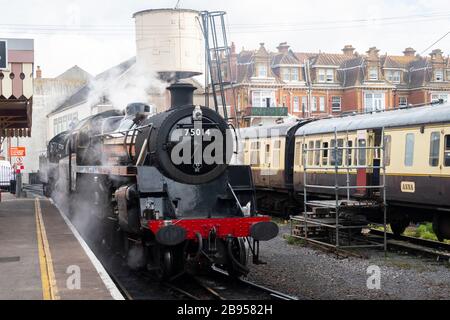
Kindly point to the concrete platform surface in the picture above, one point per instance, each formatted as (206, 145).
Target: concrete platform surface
(43, 257)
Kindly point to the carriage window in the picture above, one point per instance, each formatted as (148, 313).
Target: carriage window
(267, 154)
(298, 153)
(435, 140)
(409, 149)
(340, 152)
(387, 150)
(254, 153)
(325, 153)
(362, 152)
(310, 153)
(332, 152)
(317, 153)
(447, 151)
(349, 152)
(304, 154)
(276, 154)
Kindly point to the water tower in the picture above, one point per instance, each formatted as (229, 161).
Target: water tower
(170, 42)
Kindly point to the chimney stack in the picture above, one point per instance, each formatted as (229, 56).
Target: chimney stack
(38, 72)
(348, 50)
(409, 52)
(283, 47)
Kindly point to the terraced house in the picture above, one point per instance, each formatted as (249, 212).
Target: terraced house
(273, 85)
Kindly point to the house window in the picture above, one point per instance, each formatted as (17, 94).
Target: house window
(314, 104)
(304, 103)
(373, 73)
(286, 75)
(402, 101)
(322, 104)
(438, 96)
(330, 75)
(439, 75)
(296, 104)
(374, 101)
(336, 104)
(321, 75)
(448, 75)
(435, 140)
(263, 99)
(409, 149)
(294, 74)
(262, 70)
(394, 76)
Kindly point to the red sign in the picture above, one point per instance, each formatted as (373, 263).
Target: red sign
(17, 151)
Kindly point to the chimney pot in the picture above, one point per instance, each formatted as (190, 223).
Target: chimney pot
(348, 50)
(283, 47)
(409, 52)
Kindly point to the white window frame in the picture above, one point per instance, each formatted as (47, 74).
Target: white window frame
(330, 75)
(334, 100)
(377, 101)
(394, 76)
(294, 74)
(296, 104)
(286, 74)
(259, 98)
(322, 104)
(304, 103)
(322, 76)
(261, 70)
(439, 75)
(314, 104)
(373, 75)
(440, 95)
(400, 104)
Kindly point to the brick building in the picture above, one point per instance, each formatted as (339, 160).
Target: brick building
(272, 85)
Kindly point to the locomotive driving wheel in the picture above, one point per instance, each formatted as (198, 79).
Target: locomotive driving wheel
(398, 227)
(237, 257)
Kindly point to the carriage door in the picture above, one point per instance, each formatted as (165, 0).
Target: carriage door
(375, 140)
(361, 162)
(266, 162)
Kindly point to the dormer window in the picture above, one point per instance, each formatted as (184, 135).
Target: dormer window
(439, 75)
(294, 74)
(373, 73)
(289, 74)
(326, 75)
(393, 76)
(261, 70)
(286, 74)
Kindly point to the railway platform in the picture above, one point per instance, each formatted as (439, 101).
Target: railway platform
(42, 256)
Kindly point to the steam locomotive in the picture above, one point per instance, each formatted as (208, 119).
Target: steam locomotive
(159, 188)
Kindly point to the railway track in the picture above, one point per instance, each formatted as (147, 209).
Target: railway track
(436, 249)
(220, 286)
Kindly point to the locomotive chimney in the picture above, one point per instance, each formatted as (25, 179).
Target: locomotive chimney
(181, 94)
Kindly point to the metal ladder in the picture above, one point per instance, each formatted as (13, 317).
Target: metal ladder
(217, 60)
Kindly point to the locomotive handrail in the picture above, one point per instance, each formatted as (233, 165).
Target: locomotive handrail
(123, 132)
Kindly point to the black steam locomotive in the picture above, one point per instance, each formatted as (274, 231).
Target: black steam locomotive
(160, 186)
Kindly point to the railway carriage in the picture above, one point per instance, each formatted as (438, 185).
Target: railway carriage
(413, 144)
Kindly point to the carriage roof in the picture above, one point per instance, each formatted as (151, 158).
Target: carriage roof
(383, 119)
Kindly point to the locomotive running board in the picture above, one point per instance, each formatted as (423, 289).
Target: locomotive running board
(113, 170)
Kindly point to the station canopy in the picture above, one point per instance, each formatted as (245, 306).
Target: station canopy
(16, 87)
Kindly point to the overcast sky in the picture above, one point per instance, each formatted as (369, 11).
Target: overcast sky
(97, 34)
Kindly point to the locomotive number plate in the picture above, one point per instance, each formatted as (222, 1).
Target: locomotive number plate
(408, 186)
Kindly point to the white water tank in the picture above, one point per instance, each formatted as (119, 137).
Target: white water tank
(170, 42)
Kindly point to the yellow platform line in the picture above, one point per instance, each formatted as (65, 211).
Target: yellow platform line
(49, 288)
